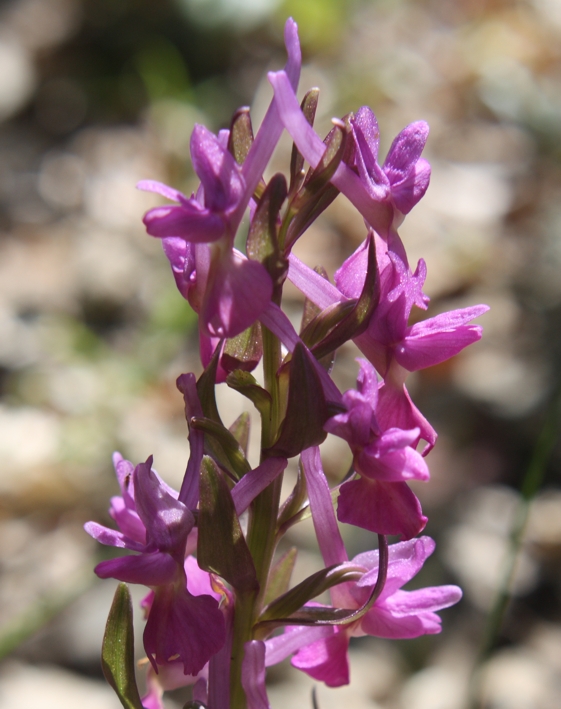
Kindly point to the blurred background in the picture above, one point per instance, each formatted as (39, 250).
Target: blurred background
(98, 94)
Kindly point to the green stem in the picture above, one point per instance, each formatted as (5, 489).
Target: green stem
(243, 622)
(261, 536)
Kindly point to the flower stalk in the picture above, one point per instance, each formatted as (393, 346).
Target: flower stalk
(220, 607)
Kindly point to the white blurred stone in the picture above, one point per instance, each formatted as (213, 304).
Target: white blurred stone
(478, 548)
(61, 180)
(544, 523)
(498, 378)
(518, 679)
(17, 75)
(433, 688)
(25, 687)
(43, 23)
(29, 439)
(296, 693)
(468, 192)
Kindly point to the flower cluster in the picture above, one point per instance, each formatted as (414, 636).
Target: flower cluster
(218, 619)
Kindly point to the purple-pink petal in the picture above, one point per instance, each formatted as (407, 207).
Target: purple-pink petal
(326, 660)
(217, 169)
(148, 569)
(159, 188)
(381, 507)
(185, 625)
(254, 482)
(253, 675)
(238, 291)
(111, 537)
(167, 520)
(191, 221)
(328, 535)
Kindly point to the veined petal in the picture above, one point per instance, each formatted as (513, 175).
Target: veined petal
(282, 646)
(328, 535)
(111, 537)
(148, 569)
(393, 464)
(412, 188)
(381, 507)
(326, 660)
(409, 179)
(437, 339)
(381, 623)
(433, 598)
(181, 256)
(160, 188)
(253, 675)
(379, 215)
(191, 221)
(405, 561)
(254, 482)
(167, 520)
(395, 409)
(238, 291)
(128, 521)
(217, 169)
(179, 624)
(316, 288)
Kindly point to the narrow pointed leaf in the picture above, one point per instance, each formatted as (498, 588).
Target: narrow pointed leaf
(262, 240)
(206, 384)
(280, 575)
(240, 430)
(243, 351)
(221, 545)
(247, 385)
(317, 583)
(296, 501)
(227, 441)
(309, 106)
(306, 410)
(117, 654)
(356, 321)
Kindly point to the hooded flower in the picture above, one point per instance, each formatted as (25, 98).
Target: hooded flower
(385, 458)
(404, 176)
(225, 288)
(181, 626)
(396, 614)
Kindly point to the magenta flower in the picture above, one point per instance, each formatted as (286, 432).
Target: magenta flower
(394, 347)
(405, 176)
(226, 289)
(396, 614)
(385, 459)
(180, 625)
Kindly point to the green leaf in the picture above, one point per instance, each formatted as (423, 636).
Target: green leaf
(306, 409)
(262, 240)
(356, 321)
(279, 576)
(243, 351)
(206, 385)
(117, 653)
(311, 587)
(221, 545)
(236, 460)
(240, 138)
(246, 384)
(296, 501)
(309, 106)
(240, 430)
